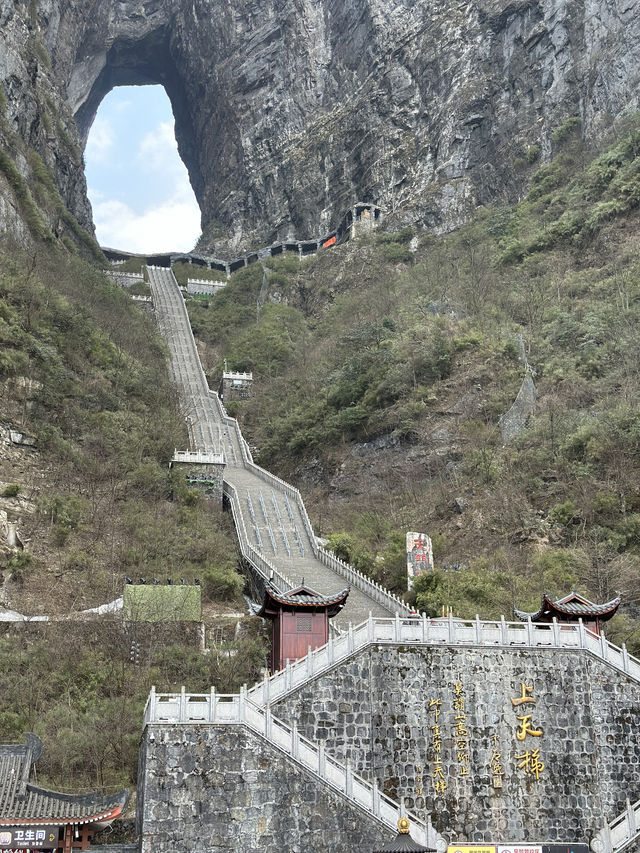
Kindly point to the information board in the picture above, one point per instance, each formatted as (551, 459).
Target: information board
(28, 837)
(471, 848)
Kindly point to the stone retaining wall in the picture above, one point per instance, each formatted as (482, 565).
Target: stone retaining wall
(378, 709)
(206, 789)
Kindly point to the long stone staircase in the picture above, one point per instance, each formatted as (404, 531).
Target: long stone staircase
(273, 527)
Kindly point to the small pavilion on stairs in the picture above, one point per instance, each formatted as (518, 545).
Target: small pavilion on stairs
(300, 620)
(571, 609)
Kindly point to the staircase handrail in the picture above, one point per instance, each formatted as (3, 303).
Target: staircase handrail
(355, 578)
(425, 631)
(207, 708)
(263, 566)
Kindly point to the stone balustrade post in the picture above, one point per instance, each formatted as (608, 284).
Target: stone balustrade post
(425, 627)
(603, 646)
(348, 779)
(371, 628)
(267, 722)
(451, 628)
(375, 799)
(625, 658)
(310, 662)
(295, 741)
(555, 630)
(182, 706)
(503, 631)
(396, 628)
(151, 706)
(581, 634)
(212, 705)
(478, 630)
(631, 819)
(350, 640)
(322, 760)
(529, 631)
(266, 686)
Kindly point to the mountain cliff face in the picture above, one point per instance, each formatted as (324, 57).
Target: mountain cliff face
(287, 111)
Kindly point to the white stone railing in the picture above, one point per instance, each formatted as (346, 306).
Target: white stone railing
(260, 563)
(208, 281)
(362, 582)
(229, 374)
(210, 708)
(621, 833)
(450, 631)
(198, 457)
(355, 578)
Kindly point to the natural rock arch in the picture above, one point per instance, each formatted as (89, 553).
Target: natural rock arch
(289, 111)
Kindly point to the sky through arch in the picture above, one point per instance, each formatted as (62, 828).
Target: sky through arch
(138, 185)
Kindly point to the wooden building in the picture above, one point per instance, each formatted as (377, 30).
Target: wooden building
(571, 609)
(35, 818)
(300, 619)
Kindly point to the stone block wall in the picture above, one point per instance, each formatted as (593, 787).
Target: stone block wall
(436, 725)
(206, 477)
(214, 788)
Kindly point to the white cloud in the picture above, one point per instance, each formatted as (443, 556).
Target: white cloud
(172, 225)
(158, 150)
(100, 142)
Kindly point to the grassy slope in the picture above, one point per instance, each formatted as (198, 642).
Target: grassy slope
(381, 374)
(84, 372)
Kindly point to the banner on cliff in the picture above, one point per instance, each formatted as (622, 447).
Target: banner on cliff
(419, 556)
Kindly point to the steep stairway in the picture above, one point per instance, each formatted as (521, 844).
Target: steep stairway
(273, 527)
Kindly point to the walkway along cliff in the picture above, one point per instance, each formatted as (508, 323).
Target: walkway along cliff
(274, 531)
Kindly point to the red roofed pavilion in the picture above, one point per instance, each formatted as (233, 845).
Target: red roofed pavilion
(572, 608)
(300, 619)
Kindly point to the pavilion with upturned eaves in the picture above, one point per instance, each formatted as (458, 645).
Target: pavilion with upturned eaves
(34, 818)
(300, 620)
(572, 608)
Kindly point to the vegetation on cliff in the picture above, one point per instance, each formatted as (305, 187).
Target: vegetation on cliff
(83, 376)
(383, 368)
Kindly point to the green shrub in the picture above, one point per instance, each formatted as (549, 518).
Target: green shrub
(11, 491)
(532, 153)
(566, 129)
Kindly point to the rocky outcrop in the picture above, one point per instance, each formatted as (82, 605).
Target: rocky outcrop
(287, 111)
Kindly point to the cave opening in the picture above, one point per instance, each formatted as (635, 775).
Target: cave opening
(137, 183)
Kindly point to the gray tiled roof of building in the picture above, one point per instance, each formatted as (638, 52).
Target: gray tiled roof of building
(21, 801)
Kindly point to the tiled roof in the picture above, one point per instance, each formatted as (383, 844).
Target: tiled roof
(403, 842)
(22, 802)
(304, 596)
(570, 605)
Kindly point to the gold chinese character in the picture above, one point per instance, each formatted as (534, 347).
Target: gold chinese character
(457, 688)
(436, 730)
(438, 771)
(440, 786)
(458, 704)
(418, 792)
(464, 771)
(463, 758)
(524, 698)
(526, 729)
(435, 703)
(460, 729)
(530, 763)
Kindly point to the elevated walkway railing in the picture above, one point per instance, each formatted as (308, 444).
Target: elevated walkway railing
(449, 631)
(260, 563)
(356, 579)
(209, 708)
(622, 834)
